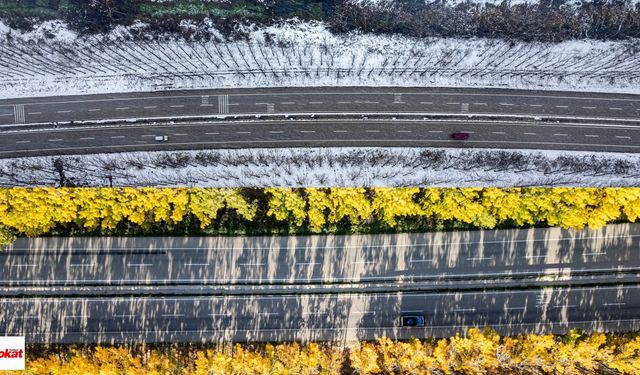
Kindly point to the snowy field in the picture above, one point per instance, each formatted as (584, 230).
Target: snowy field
(391, 4)
(328, 167)
(54, 61)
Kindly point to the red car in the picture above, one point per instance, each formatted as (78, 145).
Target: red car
(460, 136)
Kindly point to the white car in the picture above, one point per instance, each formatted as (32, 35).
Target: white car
(162, 138)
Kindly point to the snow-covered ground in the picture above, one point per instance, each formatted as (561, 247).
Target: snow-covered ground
(329, 167)
(54, 61)
(392, 4)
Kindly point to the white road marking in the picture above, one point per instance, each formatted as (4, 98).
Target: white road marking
(480, 103)
(167, 315)
(365, 262)
(148, 135)
(251, 264)
(196, 264)
(94, 110)
(179, 134)
(623, 137)
(561, 134)
(177, 106)
(212, 133)
(76, 316)
(121, 108)
(499, 132)
(64, 111)
(516, 308)
(82, 265)
(24, 265)
(55, 140)
(344, 102)
(535, 105)
(372, 131)
(287, 103)
(307, 264)
(276, 132)
(507, 104)
(8, 114)
(23, 141)
(534, 256)
(562, 306)
(453, 103)
(426, 102)
(562, 106)
(340, 131)
(403, 131)
(18, 111)
(615, 108)
(316, 102)
(480, 258)
(464, 310)
(613, 304)
(529, 133)
(593, 254)
(420, 260)
(435, 131)
(223, 104)
(307, 131)
(243, 132)
(139, 264)
(117, 136)
(124, 316)
(150, 107)
(589, 107)
(397, 98)
(35, 113)
(591, 135)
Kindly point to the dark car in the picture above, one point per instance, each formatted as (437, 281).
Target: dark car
(460, 136)
(412, 321)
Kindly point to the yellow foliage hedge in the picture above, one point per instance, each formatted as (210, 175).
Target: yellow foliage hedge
(36, 211)
(480, 352)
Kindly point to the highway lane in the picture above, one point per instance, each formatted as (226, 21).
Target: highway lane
(495, 256)
(318, 317)
(319, 100)
(304, 133)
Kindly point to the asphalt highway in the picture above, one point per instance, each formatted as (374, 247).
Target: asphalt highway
(542, 253)
(323, 133)
(317, 317)
(593, 122)
(260, 264)
(319, 100)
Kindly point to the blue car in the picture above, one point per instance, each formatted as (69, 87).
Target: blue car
(412, 321)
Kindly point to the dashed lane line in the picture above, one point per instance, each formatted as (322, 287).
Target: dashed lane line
(94, 110)
(623, 137)
(561, 134)
(591, 135)
(67, 111)
(86, 138)
(55, 140)
(117, 136)
(23, 141)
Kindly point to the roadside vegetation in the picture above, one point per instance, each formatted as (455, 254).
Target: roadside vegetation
(537, 20)
(480, 352)
(219, 211)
